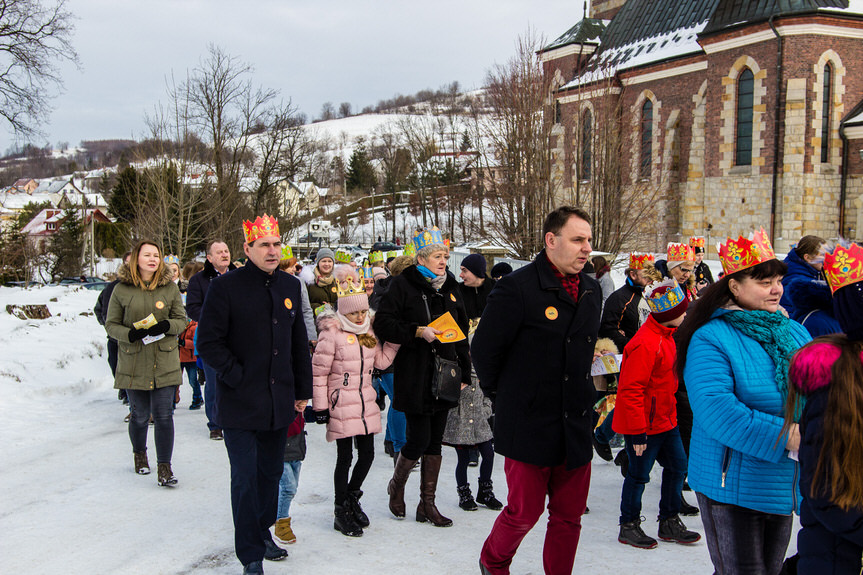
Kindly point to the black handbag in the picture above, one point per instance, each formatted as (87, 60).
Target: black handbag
(446, 373)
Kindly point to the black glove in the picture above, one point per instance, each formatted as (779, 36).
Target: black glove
(136, 334)
(322, 417)
(160, 328)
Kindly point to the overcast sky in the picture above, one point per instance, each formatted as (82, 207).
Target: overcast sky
(313, 51)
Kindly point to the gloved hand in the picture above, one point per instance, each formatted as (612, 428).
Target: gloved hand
(322, 417)
(160, 328)
(136, 334)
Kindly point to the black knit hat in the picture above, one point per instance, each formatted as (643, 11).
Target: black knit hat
(475, 264)
(848, 309)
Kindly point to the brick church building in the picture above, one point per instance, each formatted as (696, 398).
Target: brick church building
(719, 115)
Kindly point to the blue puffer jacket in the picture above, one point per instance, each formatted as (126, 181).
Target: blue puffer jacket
(807, 297)
(738, 415)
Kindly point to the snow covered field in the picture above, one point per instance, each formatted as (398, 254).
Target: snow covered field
(72, 504)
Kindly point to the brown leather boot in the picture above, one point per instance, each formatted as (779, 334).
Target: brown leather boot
(142, 466)
(426, 510)
(396, 487)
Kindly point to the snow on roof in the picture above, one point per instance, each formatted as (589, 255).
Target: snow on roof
(854, 7)
(20, 200)
(858, 119)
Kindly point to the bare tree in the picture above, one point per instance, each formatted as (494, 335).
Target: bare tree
(345, 110)
(34, 36)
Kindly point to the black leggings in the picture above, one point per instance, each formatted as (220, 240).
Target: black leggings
(365, 456)
(486, 451)
(424, 433)
(160, 403)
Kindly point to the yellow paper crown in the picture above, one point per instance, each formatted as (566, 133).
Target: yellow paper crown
(640, 261)
(343, 257)
(680, 252)
(392, 254)
(844, 266)
(410, 249)
(352, 289)
(743, 253)
(287, 252)
(262, 227)
(376, 257)
(423, 238)
(172, 259)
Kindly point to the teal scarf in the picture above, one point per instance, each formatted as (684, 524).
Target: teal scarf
(773, 331)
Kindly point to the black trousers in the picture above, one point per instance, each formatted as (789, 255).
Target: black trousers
(424, 433)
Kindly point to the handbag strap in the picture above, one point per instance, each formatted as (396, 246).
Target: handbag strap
(428, 313)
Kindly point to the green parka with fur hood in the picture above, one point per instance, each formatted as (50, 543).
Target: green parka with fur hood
(139, 366)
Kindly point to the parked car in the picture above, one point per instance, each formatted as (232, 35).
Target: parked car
(384, 247)
(22, 284)
(87, 282)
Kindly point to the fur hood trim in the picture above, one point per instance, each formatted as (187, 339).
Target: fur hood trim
(605, 345)
(124, 274)
(327, 320)
(812, 366)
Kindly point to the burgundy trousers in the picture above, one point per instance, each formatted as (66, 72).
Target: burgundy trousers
(528, 486)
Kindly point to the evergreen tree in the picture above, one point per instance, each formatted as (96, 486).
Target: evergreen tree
(125, 196)
(67, 245)
(465, 142)
(361, 175)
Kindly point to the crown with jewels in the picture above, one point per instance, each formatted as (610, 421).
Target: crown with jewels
(664, 296)
(262, 227)
(376, 257)
(697, 244)
(640, 261)
(423, 238)
(287, 252)
(343, 257)
(366, 272)
(352, 288)
(172, 259)
(680, 252)
(743, 253)
(844, 266)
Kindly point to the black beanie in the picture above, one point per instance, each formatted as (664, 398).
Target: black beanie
(501, 269)
(848, 309)
(475, 264)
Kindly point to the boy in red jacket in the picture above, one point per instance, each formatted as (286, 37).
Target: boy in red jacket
(646, 415)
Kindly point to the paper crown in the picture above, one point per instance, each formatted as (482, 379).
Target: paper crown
(679, 252)
(640, 261)
(376, 257)
(392, 254)
(446, 242)
(410, 249)
(743, 253)
(262, 227)
(287, 252)
(423, 238)
(366, 272)
(172, 259)
(664, 296)
(352, 288)
(343, 257)
(844, 266)
(697, 244)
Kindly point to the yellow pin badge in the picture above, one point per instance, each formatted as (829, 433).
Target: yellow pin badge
(288, 303)
(160, 304)
(551, 312)
(452, 297)
(352, 339)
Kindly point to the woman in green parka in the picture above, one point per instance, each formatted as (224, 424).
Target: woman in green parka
(148, 365)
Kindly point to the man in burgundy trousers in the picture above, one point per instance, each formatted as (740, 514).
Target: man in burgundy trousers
(532, 352)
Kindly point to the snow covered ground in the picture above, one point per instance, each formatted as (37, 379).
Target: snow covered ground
(72, 504)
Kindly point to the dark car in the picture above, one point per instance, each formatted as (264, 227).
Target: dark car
(384, 247)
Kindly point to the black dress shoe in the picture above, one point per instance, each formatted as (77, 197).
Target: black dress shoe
(254, 568)
(273, 552)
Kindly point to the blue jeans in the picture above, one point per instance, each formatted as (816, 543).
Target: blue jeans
(743, 541)
(395, 419)
(667, 449)
(604, 433)
(288, 486)
(191, 370)
(210, 376)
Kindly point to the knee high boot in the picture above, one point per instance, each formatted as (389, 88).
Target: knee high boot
(396, 487)
(426, 510)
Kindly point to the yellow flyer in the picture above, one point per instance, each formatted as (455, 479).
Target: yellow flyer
(450, 331)
(148, 321)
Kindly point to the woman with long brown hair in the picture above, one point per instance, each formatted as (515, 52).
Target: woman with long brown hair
(828, 373)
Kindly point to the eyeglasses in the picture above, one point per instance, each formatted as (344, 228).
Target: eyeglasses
(686, 270)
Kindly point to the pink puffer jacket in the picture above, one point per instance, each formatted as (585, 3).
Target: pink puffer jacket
(342, 370)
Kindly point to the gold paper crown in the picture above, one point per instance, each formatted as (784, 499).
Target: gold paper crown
(680, 253)
(262, 227)
(352, 289)
(172, 259)
(343, 257)
(743, 253)
(287, 252)
(376, 257)
(423, 238)
(844, 266)
(640, 261)
(696, 242)
(392, 254)
(410, 249)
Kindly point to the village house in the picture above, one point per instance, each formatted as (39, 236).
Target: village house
(47, 222)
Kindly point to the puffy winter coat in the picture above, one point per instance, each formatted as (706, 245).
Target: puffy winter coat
(645, 393)
(738, 416)
(187, 343)
(807, 297)
(342, 378)
(830, 541)
(139, 366)
(620, 317)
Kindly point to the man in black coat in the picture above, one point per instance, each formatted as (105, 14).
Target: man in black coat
(252, 333)
(475, 286)
(532, 351)
(218, 263)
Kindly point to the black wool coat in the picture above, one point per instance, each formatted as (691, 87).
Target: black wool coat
(476, 298)
(252, 333)
(532, 352)
(196, 291)
(400, 312)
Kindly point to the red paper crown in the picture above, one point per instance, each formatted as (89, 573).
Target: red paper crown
(680, 253)
(744, 253)
(260, 228)
(697, 242)
(844, 266)
(640, 261)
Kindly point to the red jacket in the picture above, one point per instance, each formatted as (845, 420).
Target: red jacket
(187, 343)
(645, 393)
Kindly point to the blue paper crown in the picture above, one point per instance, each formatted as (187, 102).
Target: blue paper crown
(423, 238)
(172, 259)
(667, 300)
(366, 272)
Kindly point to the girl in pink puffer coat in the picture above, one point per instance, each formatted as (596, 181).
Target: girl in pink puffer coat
(344, 398)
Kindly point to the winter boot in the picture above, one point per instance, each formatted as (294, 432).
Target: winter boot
(485, 495)
(166, 476)
(622, 460)
(686, 509)
(465, 498)
(253, 568)
(344, 522)
(284, 533)
(426, 510)
(353, 505)
(142, 466)
(603, 450)
(631, 534)
(273, 552)
(396, 487)
(673, 529)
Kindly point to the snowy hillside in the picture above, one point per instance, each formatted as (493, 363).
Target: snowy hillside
(72, 504)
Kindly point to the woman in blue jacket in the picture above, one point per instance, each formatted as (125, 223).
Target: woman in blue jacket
(733, 354)
(807, 297)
